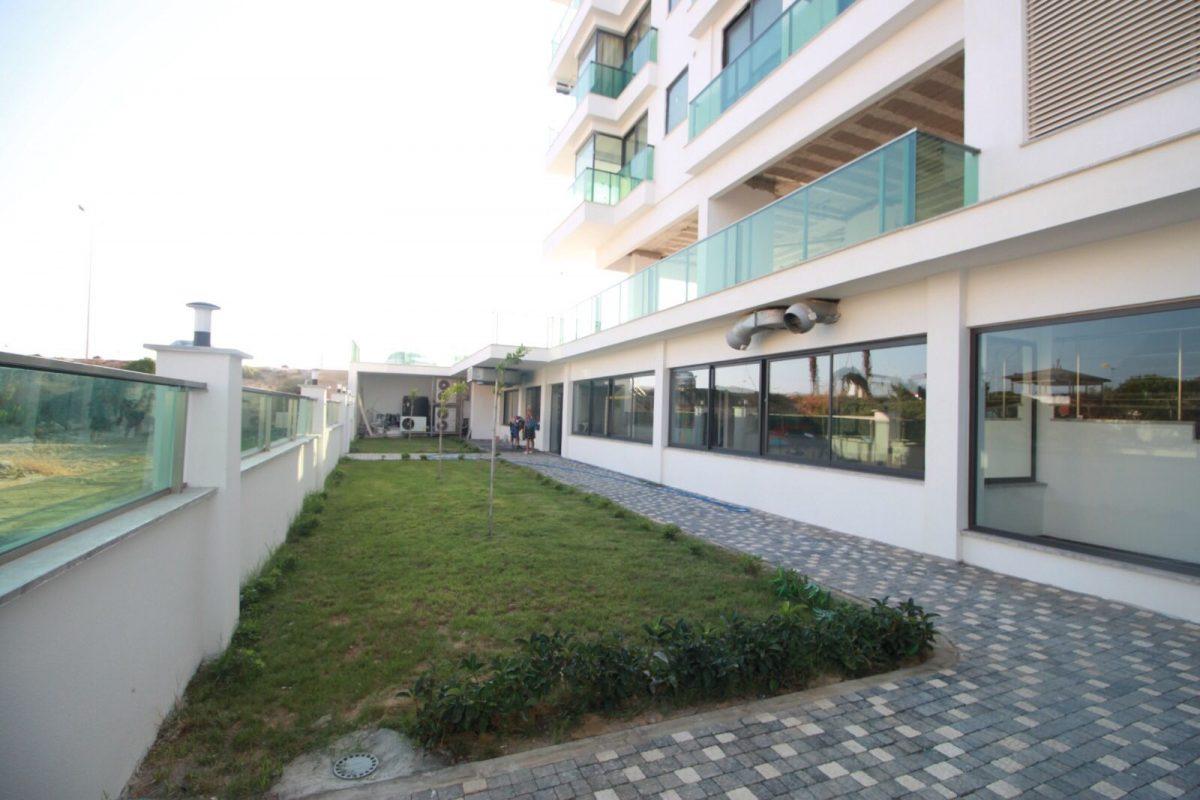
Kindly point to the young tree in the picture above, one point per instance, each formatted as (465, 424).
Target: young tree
(447, 395)
(511, 360)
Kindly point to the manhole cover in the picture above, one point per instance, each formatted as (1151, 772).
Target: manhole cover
(355, 766)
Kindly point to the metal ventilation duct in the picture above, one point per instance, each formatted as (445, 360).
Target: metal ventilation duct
(799, 317)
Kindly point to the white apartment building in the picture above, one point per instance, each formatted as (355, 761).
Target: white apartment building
(924, 271)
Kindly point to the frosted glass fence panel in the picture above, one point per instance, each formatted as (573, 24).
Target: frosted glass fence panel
(907, 180)
(75, 446)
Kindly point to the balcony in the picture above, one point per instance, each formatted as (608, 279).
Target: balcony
(910, 179)
(796, 26)
(610, 188)
(602, 200)
(609, 81)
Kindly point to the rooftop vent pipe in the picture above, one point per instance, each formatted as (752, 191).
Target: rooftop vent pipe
(202, 330)
(799, 317)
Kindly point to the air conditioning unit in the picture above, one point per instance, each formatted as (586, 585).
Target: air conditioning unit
(445, 419)
(443, 384)
(414, 424)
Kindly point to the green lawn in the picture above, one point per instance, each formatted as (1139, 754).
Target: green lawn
(399, 575)
(419, 444)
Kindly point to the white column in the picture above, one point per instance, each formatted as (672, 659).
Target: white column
(320, 445)
(212, 458)
(947, 416)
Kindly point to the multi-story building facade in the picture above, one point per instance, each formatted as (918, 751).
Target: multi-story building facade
(925, 271)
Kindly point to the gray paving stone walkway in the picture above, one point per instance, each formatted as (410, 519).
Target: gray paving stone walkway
(1055, 694)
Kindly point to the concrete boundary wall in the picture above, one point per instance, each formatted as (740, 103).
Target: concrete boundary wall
(101, 631)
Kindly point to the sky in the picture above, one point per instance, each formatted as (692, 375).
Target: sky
(324, 172)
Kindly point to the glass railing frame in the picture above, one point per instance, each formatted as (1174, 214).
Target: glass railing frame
(589, 311)
(622, 182)
(784, 20)
(622, 75)
(177, 436)
(264, 441)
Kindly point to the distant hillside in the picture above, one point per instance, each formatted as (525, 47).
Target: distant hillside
(279, 379)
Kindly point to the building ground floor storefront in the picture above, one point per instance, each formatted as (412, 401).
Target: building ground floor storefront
(1037, 416)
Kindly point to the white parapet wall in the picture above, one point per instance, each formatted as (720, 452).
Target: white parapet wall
(101, 631)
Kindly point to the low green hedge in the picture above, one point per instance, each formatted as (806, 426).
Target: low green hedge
(558, 674)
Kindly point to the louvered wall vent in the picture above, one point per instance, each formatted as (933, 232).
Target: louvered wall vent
(1083, 56)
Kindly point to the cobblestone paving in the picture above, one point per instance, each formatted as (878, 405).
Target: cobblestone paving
(1055, 694)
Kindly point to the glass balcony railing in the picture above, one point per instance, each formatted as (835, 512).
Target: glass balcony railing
(564, 24)
(907, 180)
(610, 81)
(610, 188)
(793, 29)
(78, 443)
(271, 418)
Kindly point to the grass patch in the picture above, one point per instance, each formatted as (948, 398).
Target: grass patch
(419, 444)
(396, 576)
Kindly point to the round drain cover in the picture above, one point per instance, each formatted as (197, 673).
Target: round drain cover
(355, 766)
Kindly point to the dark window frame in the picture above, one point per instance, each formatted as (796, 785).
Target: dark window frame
(608, 379)
(1108, 553)
(668, 128)
(765, 360)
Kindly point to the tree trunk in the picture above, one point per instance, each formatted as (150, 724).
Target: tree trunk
(492, 467)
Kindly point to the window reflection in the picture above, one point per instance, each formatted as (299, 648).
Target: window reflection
(798, 408)
(735, 407)
(1088, 432)
(879, 407)
(689, 407)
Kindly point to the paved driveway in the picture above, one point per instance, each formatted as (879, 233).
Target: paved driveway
(1055, 694)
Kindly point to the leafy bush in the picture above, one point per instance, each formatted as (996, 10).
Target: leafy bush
(237, 664)
(792, 587)
(671, 532)
(557, 674)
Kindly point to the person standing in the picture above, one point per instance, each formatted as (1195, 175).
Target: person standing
(531, 426)
(514, 432)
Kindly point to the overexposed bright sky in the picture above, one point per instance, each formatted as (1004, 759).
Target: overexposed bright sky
(322, 171)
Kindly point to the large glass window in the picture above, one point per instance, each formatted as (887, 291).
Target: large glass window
(879, 407)
(677, 101)
(735, 407)
(604, 48)
(598, 415)
(689, 407)
(639, 29)
(643, 408)
(748, 26)
(581, 405)
(861, 407)
(620, 407)
(798, 407)
(637, 138)
(1087, 433)
(533, 402)
(620, 404)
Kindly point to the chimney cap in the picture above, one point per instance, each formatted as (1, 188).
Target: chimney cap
(200, 304)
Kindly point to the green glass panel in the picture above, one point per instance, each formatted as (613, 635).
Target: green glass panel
(797, 26)
(73, 447)
(909, 179)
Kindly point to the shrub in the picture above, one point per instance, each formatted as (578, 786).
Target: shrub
(557, 674)
(424, 457)
(405, 456)
(792, 587)
(237, 664)
(696, 549)
(304, 524)
(671, 532)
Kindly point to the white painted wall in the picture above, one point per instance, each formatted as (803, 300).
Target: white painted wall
(93, 658)
(91, 661)
(273, 487)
